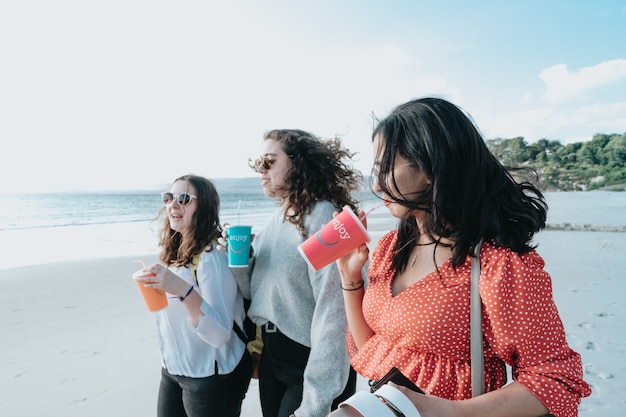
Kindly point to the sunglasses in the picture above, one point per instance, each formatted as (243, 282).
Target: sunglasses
(182, 198)
(264, 161)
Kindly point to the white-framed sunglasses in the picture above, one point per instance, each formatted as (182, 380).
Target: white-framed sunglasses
(182, 198)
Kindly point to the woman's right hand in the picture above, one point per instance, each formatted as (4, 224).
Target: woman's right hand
(352, 263)
(159, 277)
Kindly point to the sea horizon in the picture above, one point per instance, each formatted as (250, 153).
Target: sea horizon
(54, 227)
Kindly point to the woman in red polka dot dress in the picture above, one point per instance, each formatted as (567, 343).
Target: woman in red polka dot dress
(435, 174)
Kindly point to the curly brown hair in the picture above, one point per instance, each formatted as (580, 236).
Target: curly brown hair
(319, 172)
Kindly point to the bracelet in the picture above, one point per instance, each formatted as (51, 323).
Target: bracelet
(186, 295)
(354, 286)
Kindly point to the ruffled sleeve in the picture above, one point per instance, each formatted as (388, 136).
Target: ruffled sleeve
(523, 327)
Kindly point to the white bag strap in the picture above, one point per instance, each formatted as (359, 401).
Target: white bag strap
(476, 326)
(397, 401)
(368, 405)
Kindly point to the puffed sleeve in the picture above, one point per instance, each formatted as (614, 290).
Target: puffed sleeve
(523, 327)
(219, 295)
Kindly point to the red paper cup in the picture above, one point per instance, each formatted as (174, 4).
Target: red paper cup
(342, 234)
(155, 299)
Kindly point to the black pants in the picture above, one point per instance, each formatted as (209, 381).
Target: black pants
(214, 396)
(281, 376)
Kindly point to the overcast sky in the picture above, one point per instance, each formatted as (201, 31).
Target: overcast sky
(127, 94)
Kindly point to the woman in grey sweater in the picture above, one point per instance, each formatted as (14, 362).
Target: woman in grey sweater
(304, 369)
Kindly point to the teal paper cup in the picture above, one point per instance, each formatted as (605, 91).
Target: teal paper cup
(238, 238)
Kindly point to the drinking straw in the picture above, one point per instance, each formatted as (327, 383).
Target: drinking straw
(238, 209)
(364, 215)
(140, 261)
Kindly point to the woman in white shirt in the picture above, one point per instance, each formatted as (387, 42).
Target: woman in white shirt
(205, 366)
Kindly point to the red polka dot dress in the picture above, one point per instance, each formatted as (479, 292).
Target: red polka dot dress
(424, 330)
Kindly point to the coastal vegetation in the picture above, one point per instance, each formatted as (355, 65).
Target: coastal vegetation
(592, 165)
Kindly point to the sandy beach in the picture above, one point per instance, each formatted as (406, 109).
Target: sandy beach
(77, 339)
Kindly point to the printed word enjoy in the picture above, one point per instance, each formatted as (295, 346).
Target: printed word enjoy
(343, 232)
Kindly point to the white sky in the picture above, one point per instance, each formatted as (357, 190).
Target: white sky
(131, 94)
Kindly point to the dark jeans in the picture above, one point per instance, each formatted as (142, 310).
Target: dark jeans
(281, 376)
(214, 396)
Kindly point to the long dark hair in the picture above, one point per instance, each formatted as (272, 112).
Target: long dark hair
(179, 248)
(320, 172)
(471, 195)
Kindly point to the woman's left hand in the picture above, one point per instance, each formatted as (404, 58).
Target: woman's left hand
(222, 243)
(513, 400)
(429, 405)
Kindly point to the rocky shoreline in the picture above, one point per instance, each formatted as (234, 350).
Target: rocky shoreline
(584, 227)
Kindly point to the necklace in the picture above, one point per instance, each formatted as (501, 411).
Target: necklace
(420, 244)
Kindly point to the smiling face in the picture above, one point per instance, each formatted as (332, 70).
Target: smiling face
(405, 182)
(273, 179)
(180, 217)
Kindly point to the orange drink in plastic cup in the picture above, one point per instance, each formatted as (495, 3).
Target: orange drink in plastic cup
(154, 298)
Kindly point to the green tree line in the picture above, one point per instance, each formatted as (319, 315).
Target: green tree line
(596, 164)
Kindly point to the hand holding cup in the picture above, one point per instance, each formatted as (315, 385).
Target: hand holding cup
(239, 239)
(222, 241)
(154, 298)
(344, 233)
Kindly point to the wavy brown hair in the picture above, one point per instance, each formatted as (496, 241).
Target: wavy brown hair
(320, 171)
(179, 248)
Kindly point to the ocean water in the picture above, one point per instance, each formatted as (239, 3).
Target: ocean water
(25, 211)
(241, 200)
(603, 208)
(42, 228)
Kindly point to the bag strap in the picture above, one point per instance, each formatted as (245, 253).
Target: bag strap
(194, 266)
(476, 326)
(194, 271)
(240, 333)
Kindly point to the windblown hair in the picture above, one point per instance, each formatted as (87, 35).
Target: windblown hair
(179, 248)
(471, 195)
(320, 172)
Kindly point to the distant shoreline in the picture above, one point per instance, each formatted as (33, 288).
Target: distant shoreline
(584, 227)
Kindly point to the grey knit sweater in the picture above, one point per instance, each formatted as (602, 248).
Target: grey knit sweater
(307, 306)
